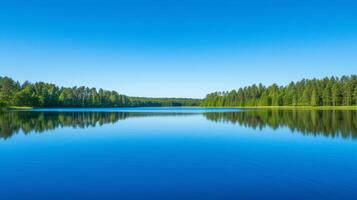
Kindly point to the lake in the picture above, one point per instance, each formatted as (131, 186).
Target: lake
(178, 153)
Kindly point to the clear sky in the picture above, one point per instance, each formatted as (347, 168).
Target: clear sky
(179, 48)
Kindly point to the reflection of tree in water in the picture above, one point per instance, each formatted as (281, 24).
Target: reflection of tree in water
(12, 122)
(310, 122)
(331, 123)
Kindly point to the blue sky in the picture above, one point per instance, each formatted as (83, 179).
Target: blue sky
(176, 48)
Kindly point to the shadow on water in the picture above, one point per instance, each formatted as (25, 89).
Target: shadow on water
(329, 123)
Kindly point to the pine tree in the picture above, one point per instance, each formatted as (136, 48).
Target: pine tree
(314, 98)
(326, 96)
(347, 94)
(305, 99)
(335, 95)
(355, 96)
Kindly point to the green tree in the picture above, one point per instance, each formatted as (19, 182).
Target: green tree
(335, 94)
(355, 96)
(326, 96)
(315, 92)
(305, 98)
(26, 97)
(347, 94)
(8, 88)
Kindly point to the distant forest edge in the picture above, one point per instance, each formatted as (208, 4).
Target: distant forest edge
(40, 94)
(329, 91)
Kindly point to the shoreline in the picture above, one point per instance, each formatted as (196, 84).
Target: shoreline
(294, 107)
(240, 107)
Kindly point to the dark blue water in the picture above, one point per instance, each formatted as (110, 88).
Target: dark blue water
(183, 154)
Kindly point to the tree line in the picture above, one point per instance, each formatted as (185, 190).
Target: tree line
(163, 102)
(40, 94)
(329, 91)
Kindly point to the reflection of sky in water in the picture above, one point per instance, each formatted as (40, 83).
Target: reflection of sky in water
(328, 123)
(175, 157)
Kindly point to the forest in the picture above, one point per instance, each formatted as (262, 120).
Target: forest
(40, 94)
(163, 102)
(329, 91)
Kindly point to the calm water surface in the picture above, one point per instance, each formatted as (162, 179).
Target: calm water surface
(189, 153)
